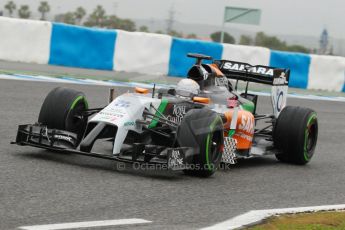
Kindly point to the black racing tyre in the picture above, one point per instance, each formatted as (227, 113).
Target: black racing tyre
(295, 135)
(62, 109)
(203, 129)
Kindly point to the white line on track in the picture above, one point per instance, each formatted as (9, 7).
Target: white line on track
(89, 224)
(69, 80)
(256, 216)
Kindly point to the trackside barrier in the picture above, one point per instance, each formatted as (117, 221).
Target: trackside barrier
(248, 54)
(327, 73)
(24, 40)
(82, 47)
(74, 46)
(142, 52)
(180, 63)
(297, 63)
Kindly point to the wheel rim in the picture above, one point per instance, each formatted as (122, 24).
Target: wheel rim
(215, 148)
(75, 122)
(310, 137)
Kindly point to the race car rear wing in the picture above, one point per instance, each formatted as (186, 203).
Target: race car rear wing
(278, 78)
(249, 73)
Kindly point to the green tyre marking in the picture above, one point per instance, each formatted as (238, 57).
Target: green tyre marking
(208, 141)
(160, 110)
(79, 98)
(306, 135)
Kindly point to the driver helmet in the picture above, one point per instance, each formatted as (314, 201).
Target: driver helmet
(187, 88)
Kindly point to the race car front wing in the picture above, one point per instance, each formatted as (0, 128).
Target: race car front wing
(63, 141)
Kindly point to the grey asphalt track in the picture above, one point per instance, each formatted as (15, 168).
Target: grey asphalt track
(39, 187)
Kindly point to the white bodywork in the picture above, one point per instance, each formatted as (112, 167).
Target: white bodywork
(123, 113)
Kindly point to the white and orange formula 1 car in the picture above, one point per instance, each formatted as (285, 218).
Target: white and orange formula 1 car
(194, 127)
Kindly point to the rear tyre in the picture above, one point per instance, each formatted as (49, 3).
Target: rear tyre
(62, 109)
(202, 129)
(295, 135)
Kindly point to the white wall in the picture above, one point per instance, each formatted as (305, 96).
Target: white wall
(248, 54)
(24, 40)
(29, 41)
(326, 73)
(142, 52)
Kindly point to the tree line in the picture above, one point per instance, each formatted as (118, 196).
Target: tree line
(99, 18)
(260, 39)
(24, 11)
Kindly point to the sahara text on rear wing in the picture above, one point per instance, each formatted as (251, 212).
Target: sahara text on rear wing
(258, 73)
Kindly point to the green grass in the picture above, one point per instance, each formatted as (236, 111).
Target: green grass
(304, 221)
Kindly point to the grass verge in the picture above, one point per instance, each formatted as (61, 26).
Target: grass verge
(305, 221)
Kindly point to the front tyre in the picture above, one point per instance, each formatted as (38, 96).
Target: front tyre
(62, 109)
(295, 135)
(203, 130)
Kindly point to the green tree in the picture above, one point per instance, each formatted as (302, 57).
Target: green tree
(112, 22)
(227, 37)
(246, 40)
(44, 8)
(272, 42)
(10, 7)
(24, 11)
(68, 18)
(97, 17)
(79, 14)
(127, 24)
(115, 22)
(192, 36)
(144, 29)
(174, 33)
